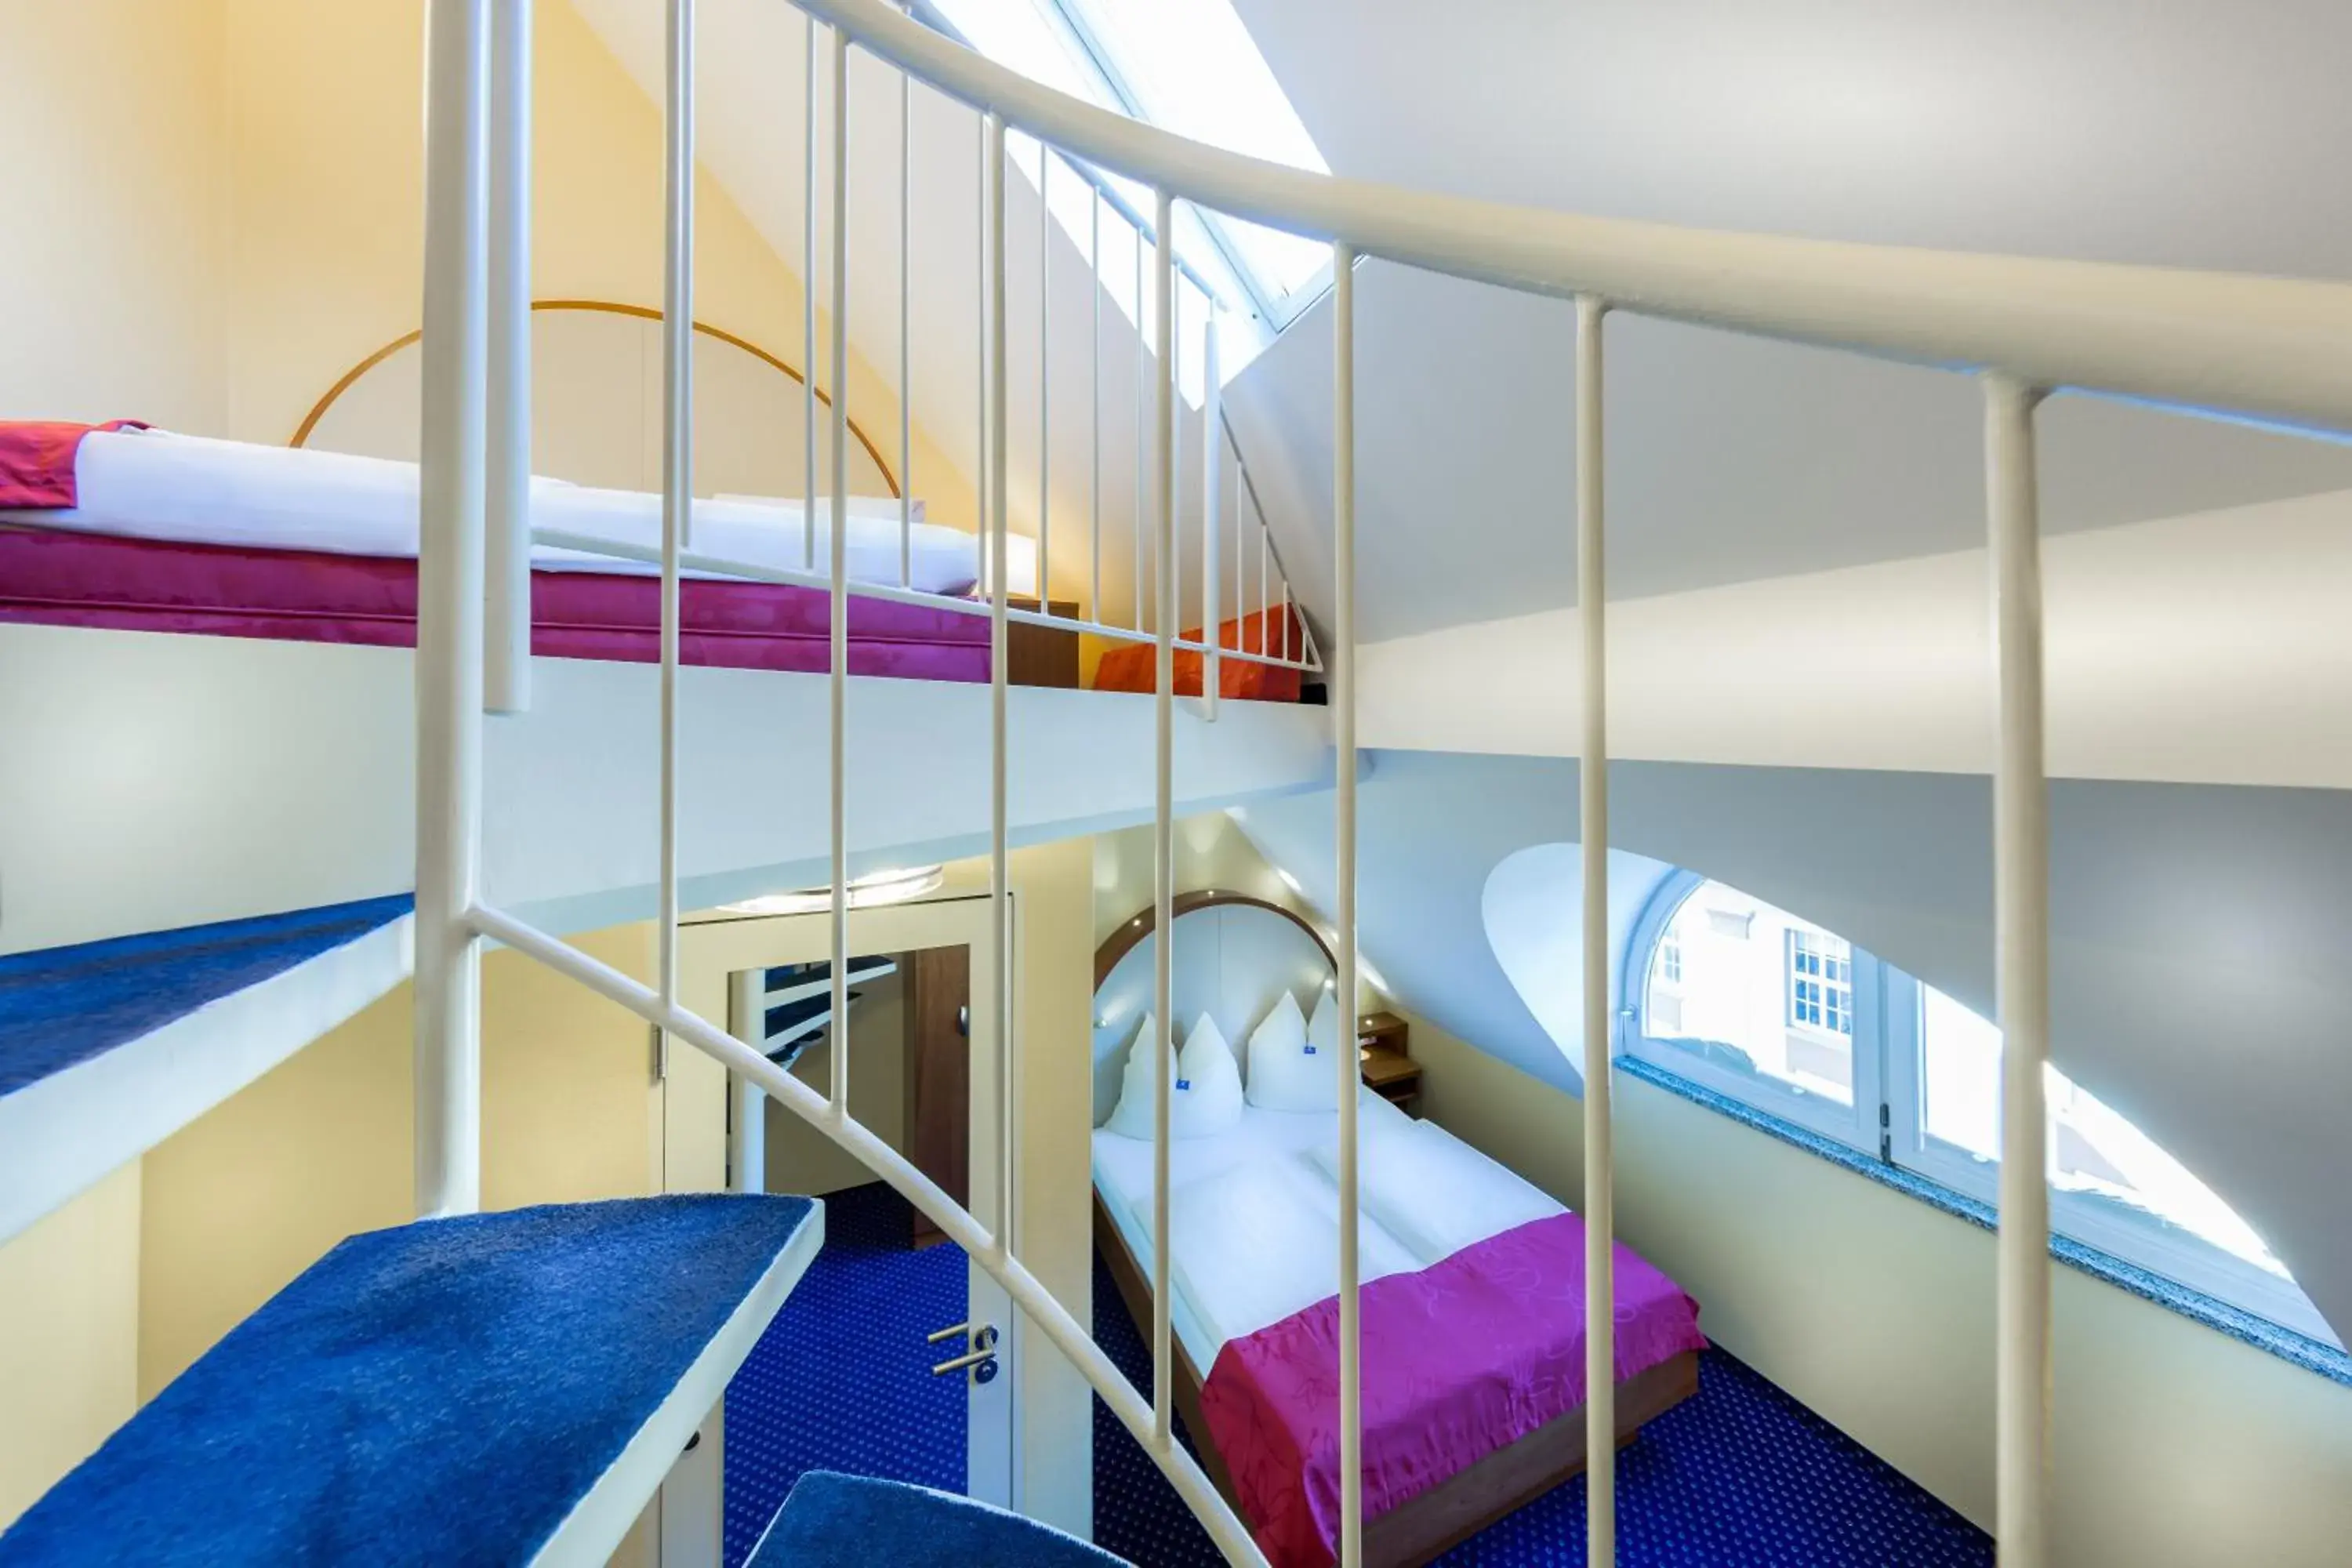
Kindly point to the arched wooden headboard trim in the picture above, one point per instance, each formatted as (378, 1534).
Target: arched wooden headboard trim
(1123, 940)
(604, 307)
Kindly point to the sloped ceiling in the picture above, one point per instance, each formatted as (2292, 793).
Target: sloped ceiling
(2103, 129)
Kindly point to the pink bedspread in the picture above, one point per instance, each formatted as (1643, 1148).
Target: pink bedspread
(36, 459)
(52, 577)
(1459, 1359)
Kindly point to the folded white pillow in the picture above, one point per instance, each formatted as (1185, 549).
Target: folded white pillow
(1208, 1098)
(1288, 1070)
(1323, 1029)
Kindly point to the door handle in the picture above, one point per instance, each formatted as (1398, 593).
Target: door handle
(981, 1357)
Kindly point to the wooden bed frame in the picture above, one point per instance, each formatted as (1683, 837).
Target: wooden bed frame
(1422, 1527)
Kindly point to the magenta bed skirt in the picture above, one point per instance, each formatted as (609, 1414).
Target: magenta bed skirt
(56, 577)
(1459, 1359)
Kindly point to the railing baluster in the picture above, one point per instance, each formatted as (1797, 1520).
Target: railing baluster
(838, 611)
(1592, 816)
(678, 456)
(1045, 372)
(906, 328)
(1163, 819)
(1211, 520)
(1000, 866)
(507, 670)
(808, 298)
(979, 326)
(2021, 953)
(1094, 492)
(448, 1066)
(1343, 916)
(1142, 388)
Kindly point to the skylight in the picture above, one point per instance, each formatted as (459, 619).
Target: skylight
(1189, 66)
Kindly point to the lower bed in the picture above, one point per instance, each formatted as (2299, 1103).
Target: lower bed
(1472, 1326)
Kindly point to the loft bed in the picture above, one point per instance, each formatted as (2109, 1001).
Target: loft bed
(1472, 1280)
(121, 528)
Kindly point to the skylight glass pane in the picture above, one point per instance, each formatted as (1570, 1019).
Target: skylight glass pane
(1192, 68)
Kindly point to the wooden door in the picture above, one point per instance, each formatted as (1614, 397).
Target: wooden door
(937, 1008)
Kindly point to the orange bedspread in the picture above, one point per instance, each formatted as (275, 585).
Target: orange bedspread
(1129, 667)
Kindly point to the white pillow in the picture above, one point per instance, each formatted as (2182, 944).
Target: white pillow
(1287, 1070)
(1323, 1029)
(1208, 1097)
(1208, 1083)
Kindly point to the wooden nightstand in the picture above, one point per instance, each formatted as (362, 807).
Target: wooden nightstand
(1388, 1071)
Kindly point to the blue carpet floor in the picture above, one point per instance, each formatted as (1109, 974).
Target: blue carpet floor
(1740, 1477)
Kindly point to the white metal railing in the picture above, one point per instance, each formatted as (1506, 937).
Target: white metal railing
(2271, 349)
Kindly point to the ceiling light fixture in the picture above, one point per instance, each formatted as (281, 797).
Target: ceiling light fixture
(892, 886)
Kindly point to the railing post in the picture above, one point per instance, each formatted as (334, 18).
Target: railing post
(906, 328)
(448, 668)
(837, 611)
(2022, 938)
(1592, 813)
(808, 294)
(1163, 817)
(507, 666)
(1212, 412)
(1000, 860)
(677, 450)
(1343, 917)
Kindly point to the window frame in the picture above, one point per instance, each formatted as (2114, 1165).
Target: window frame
(1855, 1126)
(1097, 60)
(1887, 1123)
(2143, 1239)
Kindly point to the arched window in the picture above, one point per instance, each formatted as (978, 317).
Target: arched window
(1730, 994)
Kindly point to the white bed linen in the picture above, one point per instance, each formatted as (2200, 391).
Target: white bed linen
(192, 489)
(1435, 1193)
(1254, 1244)
(1254, 1213)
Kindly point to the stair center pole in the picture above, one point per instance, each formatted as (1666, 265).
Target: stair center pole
(449, 609)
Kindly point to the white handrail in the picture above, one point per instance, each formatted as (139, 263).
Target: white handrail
(2201, 340)
(861, 1144)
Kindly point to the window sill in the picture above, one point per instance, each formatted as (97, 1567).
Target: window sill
(2310, 1354)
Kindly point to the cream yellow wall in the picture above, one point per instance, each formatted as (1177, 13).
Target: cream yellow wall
(115, 263)
(329, 232)
(242, 1199)
(2175, 1444)
(221, 211)
(69, 1337)
(246, 1196)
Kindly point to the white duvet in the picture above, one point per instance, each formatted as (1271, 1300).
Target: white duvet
(192, 489)
(1254, 1212)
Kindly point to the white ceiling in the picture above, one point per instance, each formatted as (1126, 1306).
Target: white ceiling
(2106, 130)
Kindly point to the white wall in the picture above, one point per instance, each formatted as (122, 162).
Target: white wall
(2175, 1444)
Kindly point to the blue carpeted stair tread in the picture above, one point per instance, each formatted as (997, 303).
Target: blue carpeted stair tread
(833, 1520)
(440, 1393)
(62, 1005)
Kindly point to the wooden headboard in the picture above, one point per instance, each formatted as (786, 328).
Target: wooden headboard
(1234, 956)
(596, 407)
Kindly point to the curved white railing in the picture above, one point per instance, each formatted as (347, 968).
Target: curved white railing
(2271, 349)
(2216, 340)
